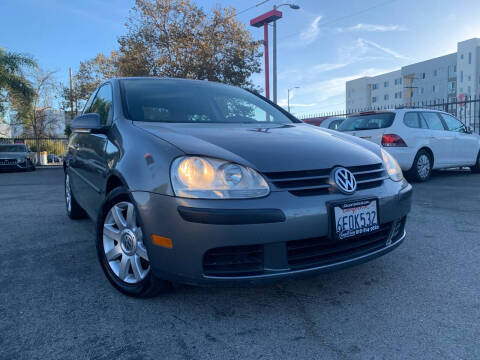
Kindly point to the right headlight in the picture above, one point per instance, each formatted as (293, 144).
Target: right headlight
(208, 178)
(393, 169)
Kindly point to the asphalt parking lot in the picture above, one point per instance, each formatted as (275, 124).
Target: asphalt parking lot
(422, 301)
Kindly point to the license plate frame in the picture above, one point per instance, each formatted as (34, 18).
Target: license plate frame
(333, 234)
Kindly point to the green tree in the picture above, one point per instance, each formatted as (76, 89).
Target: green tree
(13, 83)
(174, 38)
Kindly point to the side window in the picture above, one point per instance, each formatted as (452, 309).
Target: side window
(433, 121)
(453, 124)
(89, 103)
(411, 120)
(102, 104)
(335, 124)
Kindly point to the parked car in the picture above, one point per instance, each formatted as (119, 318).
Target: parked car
(52, 158)
(325, 122)
(16, 157)
(204, 183)
(419, 139)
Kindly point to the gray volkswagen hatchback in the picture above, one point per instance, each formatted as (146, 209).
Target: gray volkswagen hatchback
(203, 183)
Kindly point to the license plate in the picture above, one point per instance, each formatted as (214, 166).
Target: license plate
(355, 218)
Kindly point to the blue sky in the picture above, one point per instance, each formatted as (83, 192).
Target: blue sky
(320, 46)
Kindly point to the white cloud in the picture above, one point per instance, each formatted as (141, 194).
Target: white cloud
(328, 67)
(310, 34)
(372, 28)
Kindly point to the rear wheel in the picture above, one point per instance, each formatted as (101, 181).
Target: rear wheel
(476, 167)
(121, 250)
(422, 167)
(74, 211)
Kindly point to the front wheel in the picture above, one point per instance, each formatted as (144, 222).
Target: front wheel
(422, 167)
(121, 249)
(476, 168)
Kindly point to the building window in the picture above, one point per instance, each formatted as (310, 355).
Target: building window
(374, 99)
(434, 89)
(435, 72)
(469, 77)
(374, 86)
(385, 97)
(420, 90)
(398, 81)
(461, 56)
(451, 87)
(469, 57)
(385, 84)
(423, 75)
(452, 71)
(461, 76)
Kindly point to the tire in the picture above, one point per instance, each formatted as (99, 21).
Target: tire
(476, 168)
(421, 167)
(127, 268)
(74, 211)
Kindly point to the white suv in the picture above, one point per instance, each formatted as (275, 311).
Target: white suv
(419, 139)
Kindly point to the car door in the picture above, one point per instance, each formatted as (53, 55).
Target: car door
(438, 139)
(465, 145)
(91, 159)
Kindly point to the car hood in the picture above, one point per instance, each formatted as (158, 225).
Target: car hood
(11, 155)
(266, 147)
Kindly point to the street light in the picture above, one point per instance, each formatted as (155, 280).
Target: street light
(288, 96)
(275, 7)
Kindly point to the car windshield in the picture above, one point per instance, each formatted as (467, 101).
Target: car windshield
(367, 122)
(12, 148)
(178, 101)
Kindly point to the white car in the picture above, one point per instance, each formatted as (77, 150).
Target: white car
(419, 139)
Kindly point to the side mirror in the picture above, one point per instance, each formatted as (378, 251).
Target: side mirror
(88, 123)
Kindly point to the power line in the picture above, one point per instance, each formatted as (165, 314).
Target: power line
(248, 9)
(345, 17)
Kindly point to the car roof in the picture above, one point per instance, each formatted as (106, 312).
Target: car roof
(394, 111)
(171, 79)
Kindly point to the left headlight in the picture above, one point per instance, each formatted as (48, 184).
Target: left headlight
(393, 169)
(208, 178)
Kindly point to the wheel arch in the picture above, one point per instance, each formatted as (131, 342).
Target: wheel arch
(429, 151)
(114, 180)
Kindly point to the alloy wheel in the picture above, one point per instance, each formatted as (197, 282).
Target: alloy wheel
(423, 166)
(123, 244)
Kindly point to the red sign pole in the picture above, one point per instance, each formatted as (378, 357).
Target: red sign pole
(267, 79)
(264, 20)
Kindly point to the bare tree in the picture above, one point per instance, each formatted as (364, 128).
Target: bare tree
(33, 115)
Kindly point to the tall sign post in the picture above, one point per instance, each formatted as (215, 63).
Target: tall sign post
(264, 20)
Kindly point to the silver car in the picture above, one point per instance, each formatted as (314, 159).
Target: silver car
(203, 183)
(16, 157)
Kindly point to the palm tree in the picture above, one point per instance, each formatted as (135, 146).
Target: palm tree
(12, 80)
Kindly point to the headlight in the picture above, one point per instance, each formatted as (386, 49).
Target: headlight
(21, 159)
(207, 178)
(393, 169)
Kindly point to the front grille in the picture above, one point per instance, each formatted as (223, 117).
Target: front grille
(317, 182)
(8, 161)
(234, 261)
(316, 252)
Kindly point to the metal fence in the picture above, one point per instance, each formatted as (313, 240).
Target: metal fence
(56, 146)
(466, 110)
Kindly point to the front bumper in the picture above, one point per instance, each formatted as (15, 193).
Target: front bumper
(201, 241)
(12, 164)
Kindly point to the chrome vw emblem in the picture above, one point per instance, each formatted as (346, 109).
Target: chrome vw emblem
(344, 180)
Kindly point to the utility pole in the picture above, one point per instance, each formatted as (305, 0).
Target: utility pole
(71, 94)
